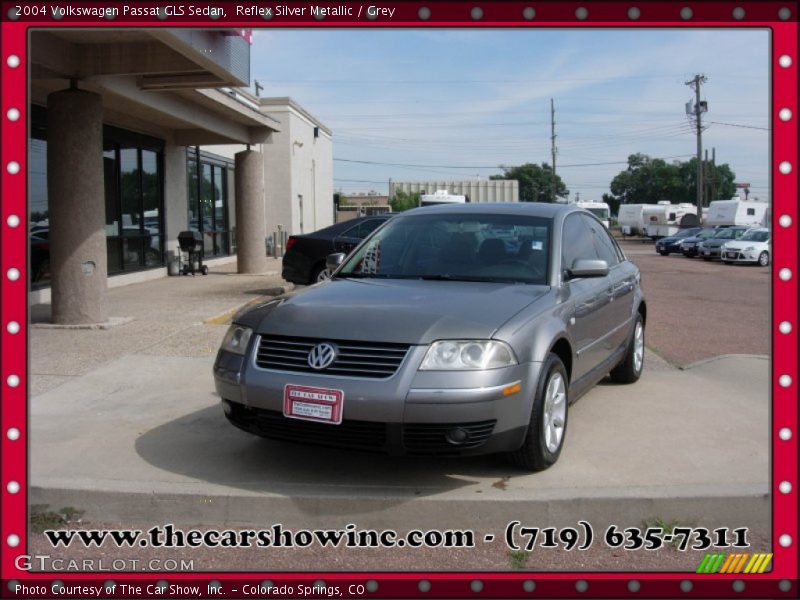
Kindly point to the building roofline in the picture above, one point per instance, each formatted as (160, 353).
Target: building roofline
(286, 101)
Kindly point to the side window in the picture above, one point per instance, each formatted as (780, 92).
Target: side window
(602, 241)
(576, 242)
(362, 230)
(368, 227)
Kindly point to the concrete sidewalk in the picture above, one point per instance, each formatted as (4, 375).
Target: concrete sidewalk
(126, 426)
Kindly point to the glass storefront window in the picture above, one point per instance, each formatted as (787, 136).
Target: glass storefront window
(132, 169)
(208, 202)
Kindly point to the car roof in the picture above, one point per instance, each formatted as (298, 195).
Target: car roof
(533, 209)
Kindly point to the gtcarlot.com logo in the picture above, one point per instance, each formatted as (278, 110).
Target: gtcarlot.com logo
(44, 562)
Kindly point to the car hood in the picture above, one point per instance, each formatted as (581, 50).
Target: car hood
(714, 243)
(401, 311)
(739, 244)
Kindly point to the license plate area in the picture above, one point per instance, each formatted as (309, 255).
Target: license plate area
(731, 254)
(321, 405)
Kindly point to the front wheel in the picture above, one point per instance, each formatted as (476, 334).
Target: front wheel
(321, 273)
(630, 369)
(663, 253)
(763, 258)
(548, 424)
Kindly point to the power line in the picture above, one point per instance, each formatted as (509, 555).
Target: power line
(388, 164)
(739, 125)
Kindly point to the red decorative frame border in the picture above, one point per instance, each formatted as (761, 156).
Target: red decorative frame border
(782, 581)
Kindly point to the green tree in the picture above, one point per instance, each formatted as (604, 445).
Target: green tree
(613, 203)
(535, 182)
(648, 180)
(404, 201)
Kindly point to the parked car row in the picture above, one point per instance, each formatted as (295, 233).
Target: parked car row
(729, 244)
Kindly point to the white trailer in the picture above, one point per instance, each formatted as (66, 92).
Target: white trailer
(669, 218)
(630, 219)
(601, 210)
(441, 197)
(743, 213)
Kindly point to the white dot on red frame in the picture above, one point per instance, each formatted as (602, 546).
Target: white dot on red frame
(13, 540)
(12, 381)
(785, 540)
(12, 487)
(785, 434)
(785, 167)
(785, 114)
(13, 434)
(785, 327)
(785, 61)
(12, 327)
(12, 221)
(12, 167)
(785, 487)
(785, 380)
(12, 274)
(13, 61)
(785, 274)
(785, 221)
(12, 114)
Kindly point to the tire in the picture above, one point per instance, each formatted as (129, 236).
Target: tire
(706, 258)
(631, 367)
(727, 262)
(547, 428)
(204, 270)
(663, 253)
(763, 259)
(320, 273)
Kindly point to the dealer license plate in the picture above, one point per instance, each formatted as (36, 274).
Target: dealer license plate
(321, 405)
(731, 254)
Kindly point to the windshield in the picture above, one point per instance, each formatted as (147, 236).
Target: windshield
(458, 247)
(726, 234)
(706, 233)
(756, 236)
(685, 233)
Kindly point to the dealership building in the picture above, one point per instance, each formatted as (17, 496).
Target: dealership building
(137, 135)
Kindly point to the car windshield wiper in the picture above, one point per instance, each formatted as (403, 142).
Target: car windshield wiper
(468, 278)
(362, 276)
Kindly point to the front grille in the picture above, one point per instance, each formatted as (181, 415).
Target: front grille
(431, 438)
(364, 435)
(375, 360)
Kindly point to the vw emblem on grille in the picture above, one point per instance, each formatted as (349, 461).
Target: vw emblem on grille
(321, 356)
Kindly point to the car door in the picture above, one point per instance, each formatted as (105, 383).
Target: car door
(621, 285)
(350, 238)
(588, 296)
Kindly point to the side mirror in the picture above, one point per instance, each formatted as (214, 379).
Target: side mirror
(584, 267)
(333, 261)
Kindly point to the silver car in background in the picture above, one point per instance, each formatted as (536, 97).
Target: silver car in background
(451, 330)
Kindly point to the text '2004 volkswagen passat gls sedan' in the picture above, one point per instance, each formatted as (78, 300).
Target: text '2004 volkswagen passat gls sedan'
(463, 329)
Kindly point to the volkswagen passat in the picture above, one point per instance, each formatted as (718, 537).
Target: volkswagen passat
(438, 336)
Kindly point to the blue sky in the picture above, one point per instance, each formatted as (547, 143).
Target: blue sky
(480, 98)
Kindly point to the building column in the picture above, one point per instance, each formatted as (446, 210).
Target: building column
(76, 197)
(251, 228)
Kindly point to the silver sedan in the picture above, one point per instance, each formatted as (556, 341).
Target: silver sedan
(451, 330)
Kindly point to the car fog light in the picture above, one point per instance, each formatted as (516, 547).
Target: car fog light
(457, 436)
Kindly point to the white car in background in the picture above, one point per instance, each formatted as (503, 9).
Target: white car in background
(752, 247)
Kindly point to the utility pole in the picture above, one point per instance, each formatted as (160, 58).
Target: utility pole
(698, 110)
(553, 146)
(713, 174)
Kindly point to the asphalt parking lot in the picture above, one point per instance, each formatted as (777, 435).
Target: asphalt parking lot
(699, 309)
(125, 426)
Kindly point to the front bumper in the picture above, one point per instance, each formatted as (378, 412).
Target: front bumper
(739, 256)
(712, 252)
(410, 413)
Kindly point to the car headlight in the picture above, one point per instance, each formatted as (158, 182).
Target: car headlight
(749, 249)
(468, 355)
(700, 245)
(236, 339)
